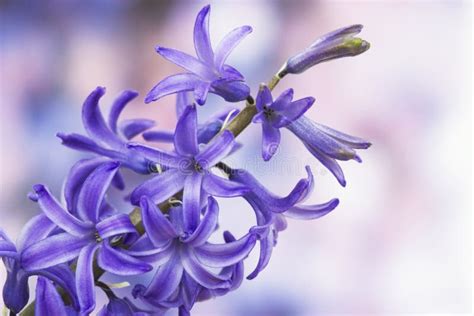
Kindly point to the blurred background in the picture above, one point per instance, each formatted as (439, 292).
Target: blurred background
(400, 240)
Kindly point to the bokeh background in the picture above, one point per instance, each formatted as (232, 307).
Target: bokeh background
(399, 242)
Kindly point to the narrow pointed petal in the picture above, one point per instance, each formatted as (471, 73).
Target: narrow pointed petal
(159, 136)
(283, 101)
(228, 43)
(117, 107)
(297, 108)
(232, 73)
(133, 127)
(166, 279)
(158, 228)
(93, 191)
(7, 247)
(53, 210)
(159, 156)
(192, 200)
(204, 277)
(339, 34)
(217, 186)
(201, 91)
(160, 187)
(238, 269)
(206, 226)
(118, 262)
(37, 228)
(352, 141)
(266, 248)
(183, 99)
(173, 84)
(329, 163)
(52, 251)
(223, 255)
(94, 122)
(115, 225)
(216, 150)
(312, 211)
(202, 40)
(264, 98)
(85, 278)
(48, 300)
(185, 136)
(63, 276)
(83, 143)
(270, 141)
(118, 181)
(149, 253)
(187, 62)
(259, 118)
(230, 89)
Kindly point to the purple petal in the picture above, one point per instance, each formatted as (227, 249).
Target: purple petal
(270, 141)
(297, 108)
(85, 278)
(230, 89)
(63, 276)
(160, 187)
(48, 300)
(329, 163)
(159, 229)
(53, 210)
(206, 226)
(118, 262)
(260, 118)
(173, 84)
(52, 251)
(37, 228)
(93, 191)
(230, 72)
(115, 225)
(160, 156)
(118, 181)
(202, 41)
(201, 91)
(217, 186)
(183, 99)
(83, 143)
(352, 141)
(338, 34)
(216, 150)
(186, 61)
(133, 127)
(147, 252)
(223, 255)
(165, 280)
(118, 106)
(159, 136)
(94, 122)
(7, 247)
(228, 43)
(185, 136)
(204, 277)
(312, 211)
(266, 248)
(283, 101)
(15, 290)
(264, 98)
(192, 200)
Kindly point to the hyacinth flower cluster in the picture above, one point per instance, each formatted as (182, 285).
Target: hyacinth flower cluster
(168, 232)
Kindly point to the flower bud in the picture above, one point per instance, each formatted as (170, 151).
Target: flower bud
(337, 44)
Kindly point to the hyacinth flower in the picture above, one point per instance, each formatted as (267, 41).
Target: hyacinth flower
(274, 115)
(208, 72)
(186, 257)
(188, 169)
(110, 139)
(90, 233)
(271, 210)
(120, 306)
(49, 302)
(337, 44)
(16, 290)
(328, 145)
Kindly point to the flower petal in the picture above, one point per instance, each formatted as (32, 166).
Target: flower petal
(37, 228)
(133, 127)
(266, 248)
(206, 226)
(94, 122)
(48, 300)
(183, 99)
(85, 278)
(149, 253)
(83, 143)
(119, 104)
(228, 43)
(192, 200)
(202, 40)
(52, 251)
(264, 98)
(223, 255)
(118, 262)
(63, 276)
(188, 62)
(115, 225)
(297, 108)
(93, 191)
(201, 91)
(230, 89)
(329, 163)
(173, 84)
(53, 210)
(159, 136)
(283, 101)
(217, 186)
(270, 141)
(216, 150)
(160, 156)
(312, 211)
(185, 135)
(15, 290)
(352, 141)
(158, 228)
(160, 187)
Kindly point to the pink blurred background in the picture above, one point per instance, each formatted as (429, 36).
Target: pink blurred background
(399, 242)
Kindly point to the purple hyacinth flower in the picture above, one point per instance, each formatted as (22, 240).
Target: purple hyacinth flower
(208, 72)
(16, 290)
(336, 44)
(187, 261)
(276, 114)
(90, 232)
(188, 169)
(49, 302)
(109, 139)
(271, 210)
(328, 145)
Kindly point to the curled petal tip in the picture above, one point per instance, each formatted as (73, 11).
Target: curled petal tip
(39, 189)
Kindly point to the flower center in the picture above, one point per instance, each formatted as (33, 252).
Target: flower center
(97, 237)
(267, 111)
(197, 166)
